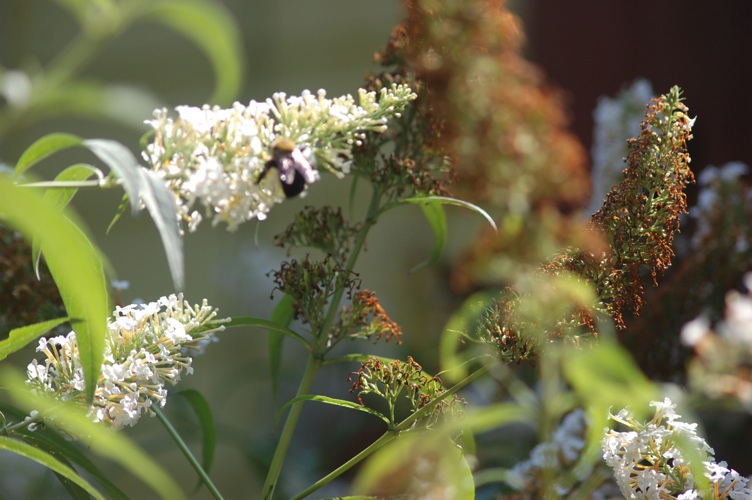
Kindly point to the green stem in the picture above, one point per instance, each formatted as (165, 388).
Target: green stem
(289, 429)
(187, 452)
(385, 438)
(315, 359)
(394, 433)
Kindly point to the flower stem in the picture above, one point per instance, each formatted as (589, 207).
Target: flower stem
(315, 359)
(187, 452)
(393, 434)
(288, 430)
(385, 438)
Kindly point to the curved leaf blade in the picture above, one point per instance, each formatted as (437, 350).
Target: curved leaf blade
(49, 461)
(214, 31)
(332, 401)
(61, 197)
(434, 213)
(267, 325)
(142, 185)
(76, 266)
(44, 147)
(445, 200)
(100, 440)
(21, 337)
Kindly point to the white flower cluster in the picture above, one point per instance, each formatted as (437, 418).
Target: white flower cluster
(218, 156)
(723, 352)
(616, 120)
(147, 348)
(558, 457)
(648, 462)
(721, 189)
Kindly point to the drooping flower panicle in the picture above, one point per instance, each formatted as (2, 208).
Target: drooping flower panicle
(216, 157)
(649, 460)
(147, 348)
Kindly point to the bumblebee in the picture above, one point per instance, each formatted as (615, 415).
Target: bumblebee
(295, 172)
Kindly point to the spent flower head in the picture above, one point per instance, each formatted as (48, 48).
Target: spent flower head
(219, 157)
(650, 460)
(148, 347)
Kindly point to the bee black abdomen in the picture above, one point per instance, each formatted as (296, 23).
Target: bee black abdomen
(295, 188)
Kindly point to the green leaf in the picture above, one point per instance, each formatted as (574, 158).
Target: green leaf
(453, 364)
(281, 315)
(99, 439)
(332, 401)
(142, 185)
(444, 200)
(44, 147)
(20, 337)
(43, 458)
(436, 461)
(434, 213)
(60, 197)
(607, 377)
(265, 324)
(76, 266)
(214, 30)
(203, 412)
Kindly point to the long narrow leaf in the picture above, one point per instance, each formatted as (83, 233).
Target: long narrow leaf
(75, 264)
(332, 401)
(265, 324)
(203, 412)
(99, 439)
(444, 200)
(142, 185)
(44, 147)
(214, 31)
(21, 337)
(281, 315)
(434, 213)
(60, 198)
(41, 457)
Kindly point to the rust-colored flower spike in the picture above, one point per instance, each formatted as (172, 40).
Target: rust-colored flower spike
(366, 318)
(640, 214)
(502, 126)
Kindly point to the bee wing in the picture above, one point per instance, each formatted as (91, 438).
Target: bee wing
(303, 167)
(286, 167)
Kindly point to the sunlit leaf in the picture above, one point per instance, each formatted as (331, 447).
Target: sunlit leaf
(75, 264)
(417, 465)
(49, 461)
(99, 439)
(453, 363)
(21, 337)
(60, 197)
(44, 147)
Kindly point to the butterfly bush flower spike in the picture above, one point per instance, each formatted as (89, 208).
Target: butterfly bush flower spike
(219, 158)
(648, 463)
(149, 346)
